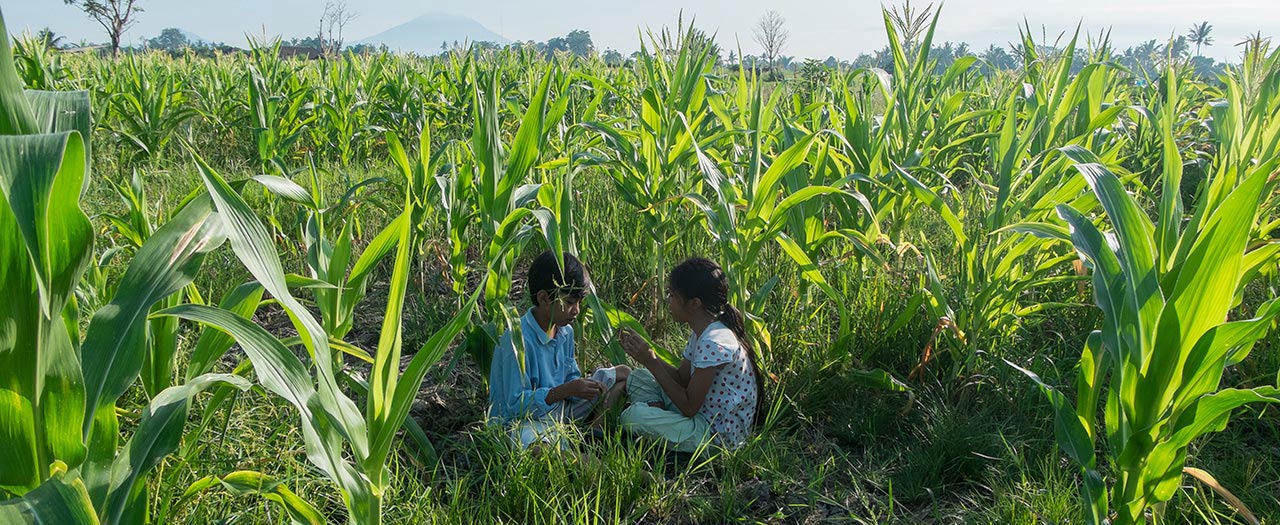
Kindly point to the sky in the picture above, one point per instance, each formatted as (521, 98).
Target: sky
(818, 28)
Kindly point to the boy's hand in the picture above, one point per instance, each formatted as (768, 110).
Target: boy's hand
(581, 388)
(636, 347)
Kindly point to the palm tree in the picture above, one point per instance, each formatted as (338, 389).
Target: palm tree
(50, 39)
(1199, 35)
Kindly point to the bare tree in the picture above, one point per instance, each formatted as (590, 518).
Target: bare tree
(115, 16)
(772, 35)
(333, 22)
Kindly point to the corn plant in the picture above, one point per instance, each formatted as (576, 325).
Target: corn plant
(147, 107)
(277, 102)
(650, 163)
(979, 308)
(349, 446)
(342, 108)
(744, 215)
(924, 123)
(61, 446)
(341, 276)
(1166, 290)
(506, 197)
(39, 66)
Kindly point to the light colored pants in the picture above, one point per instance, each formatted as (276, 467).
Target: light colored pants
(687, 434)
(547, 428)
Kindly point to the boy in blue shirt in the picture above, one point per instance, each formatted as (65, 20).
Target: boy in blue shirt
(550, 389)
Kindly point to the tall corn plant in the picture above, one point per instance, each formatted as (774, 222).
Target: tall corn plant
(39, 65)
(351, 447)
(60, 442)
(926, 122)
(278, 109)
(148, 105)
(747, 211)
(490, 187)
(1166, 290)
(980, 306)
(507, 208)
(135, 228)
(651, 149)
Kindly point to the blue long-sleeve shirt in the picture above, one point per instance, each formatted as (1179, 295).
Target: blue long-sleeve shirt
(549, 363)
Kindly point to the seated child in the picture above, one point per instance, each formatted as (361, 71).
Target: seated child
(714, 395)
(550, 389)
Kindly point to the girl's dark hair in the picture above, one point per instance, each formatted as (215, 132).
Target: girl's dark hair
(545, 274)
(701, 278)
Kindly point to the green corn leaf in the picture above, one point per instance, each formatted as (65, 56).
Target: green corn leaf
(931, 199)
(157, 436)
(47, 243)
(878, 379)
(113, 350)
(56, 111)
(1070, 430)
(242, 482)
(406, 389)
(285, 189)
(1137, 251)
(281, 372)
(212, 344)
(61, 500)
(252, 245)
(16, 116)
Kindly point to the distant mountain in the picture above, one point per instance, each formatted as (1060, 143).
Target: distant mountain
(423, 35)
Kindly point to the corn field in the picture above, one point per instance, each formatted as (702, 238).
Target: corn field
(187, 241)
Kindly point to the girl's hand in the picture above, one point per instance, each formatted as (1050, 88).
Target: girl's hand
(636, 347)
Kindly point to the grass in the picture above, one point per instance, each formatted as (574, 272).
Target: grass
(976, 451)
(979, 449)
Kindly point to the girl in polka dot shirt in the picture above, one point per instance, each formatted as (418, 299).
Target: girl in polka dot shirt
(714, 395)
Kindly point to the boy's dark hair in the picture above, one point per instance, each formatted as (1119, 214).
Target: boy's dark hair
(544, 274)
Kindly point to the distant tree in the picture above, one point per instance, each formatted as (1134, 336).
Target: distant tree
(115, 16)
(831, 62)
(579, 42)
(171, 39)
(997, 59)
(50, 39)
(1206, 67)
(1199, 35)
(1142, 57)
(333, 21)
(733, 58)
(612, 57)
(368, 49)
(444, 46)
(1177, 48)
(557, 44)
(771, 34)
(311, 42)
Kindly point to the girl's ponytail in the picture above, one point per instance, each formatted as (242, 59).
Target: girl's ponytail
(732, 319)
